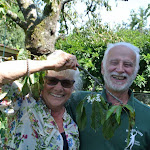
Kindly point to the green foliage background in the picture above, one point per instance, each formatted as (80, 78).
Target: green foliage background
(88, 43)
(10, 33)
(11, 36)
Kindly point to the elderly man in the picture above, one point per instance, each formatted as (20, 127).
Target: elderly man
(119, 68)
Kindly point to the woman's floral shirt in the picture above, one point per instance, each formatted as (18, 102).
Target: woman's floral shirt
(31, 126)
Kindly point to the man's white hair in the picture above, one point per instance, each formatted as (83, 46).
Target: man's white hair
(135, 49)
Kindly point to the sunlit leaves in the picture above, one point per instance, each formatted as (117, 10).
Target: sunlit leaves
(146, 58)
(139, 20)
(11, 35)
(140, 81)
(3, 8)
(22, 55)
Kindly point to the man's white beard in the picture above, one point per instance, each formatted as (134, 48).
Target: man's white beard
(116, 86)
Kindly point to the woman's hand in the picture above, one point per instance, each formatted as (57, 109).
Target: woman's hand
(62, 60)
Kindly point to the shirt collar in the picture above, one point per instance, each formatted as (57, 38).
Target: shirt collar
(130, 101)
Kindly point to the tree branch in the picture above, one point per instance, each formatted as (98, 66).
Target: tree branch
(62, 10)
(95, 79)
(28, 10)
(65, 22)
(16, 19)
(63, 4)
(89, 8)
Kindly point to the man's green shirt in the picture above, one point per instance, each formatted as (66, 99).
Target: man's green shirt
(91, 140)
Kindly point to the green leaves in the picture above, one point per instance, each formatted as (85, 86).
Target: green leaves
(36, 90)
(116, 110)
(3, 124)
(95, 116)
(109, 127)
(26, 86)
(109, 118)
(3, 8)
(129, 108)
(131, 115)
(33, 84)
(81, 115)
(110, 111)
(118, 113)
(113, 118)
(23, 54)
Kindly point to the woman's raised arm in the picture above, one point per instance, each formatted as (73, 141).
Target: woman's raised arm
(12, 70)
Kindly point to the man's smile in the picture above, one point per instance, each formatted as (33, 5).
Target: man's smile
(119, 77)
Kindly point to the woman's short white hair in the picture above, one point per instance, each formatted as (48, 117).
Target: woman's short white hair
(75, 74)
(135, 49)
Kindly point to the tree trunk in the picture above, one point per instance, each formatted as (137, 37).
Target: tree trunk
(41, 39)
(39, 31)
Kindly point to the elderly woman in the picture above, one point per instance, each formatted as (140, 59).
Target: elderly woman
(42, 124)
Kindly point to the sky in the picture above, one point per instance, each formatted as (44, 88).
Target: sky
(120, 11)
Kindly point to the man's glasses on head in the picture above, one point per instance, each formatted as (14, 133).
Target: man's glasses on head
(52, 81)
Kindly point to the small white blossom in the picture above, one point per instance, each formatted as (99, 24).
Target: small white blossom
(92, 98)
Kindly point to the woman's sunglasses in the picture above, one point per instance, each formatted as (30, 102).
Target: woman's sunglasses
(54, 81)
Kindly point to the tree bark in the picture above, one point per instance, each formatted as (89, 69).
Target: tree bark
(41, 38)
(39, 31)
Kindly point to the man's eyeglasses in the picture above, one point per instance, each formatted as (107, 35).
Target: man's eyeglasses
(54, 81)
